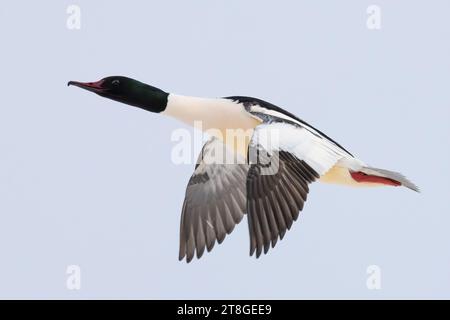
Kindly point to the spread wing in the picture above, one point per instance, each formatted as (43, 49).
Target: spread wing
(284, 159)
(215, 199)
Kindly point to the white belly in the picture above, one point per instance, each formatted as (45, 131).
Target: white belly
(341, 175)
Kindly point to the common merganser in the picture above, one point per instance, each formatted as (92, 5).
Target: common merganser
(218, 194)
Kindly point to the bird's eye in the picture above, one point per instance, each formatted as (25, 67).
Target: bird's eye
(115, 82)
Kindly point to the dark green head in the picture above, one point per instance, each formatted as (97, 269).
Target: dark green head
(127, 90)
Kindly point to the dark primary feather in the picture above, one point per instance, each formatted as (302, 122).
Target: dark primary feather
(277, 187)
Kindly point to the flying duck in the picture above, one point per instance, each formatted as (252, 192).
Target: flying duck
(270, 187)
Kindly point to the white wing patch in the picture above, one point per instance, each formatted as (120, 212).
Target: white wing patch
(317, 152)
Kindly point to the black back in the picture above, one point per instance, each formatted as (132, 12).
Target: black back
(267, 105)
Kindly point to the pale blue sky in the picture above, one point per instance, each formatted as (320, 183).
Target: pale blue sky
(87, 181)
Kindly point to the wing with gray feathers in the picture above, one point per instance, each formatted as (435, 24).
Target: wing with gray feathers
(275, 197)
(285, 158)
(215, 200)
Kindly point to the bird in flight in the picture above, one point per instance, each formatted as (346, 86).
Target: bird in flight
(271, 187)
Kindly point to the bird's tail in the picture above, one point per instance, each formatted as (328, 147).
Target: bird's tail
(381, 176)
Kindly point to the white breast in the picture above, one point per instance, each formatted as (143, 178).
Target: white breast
(220, 117)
